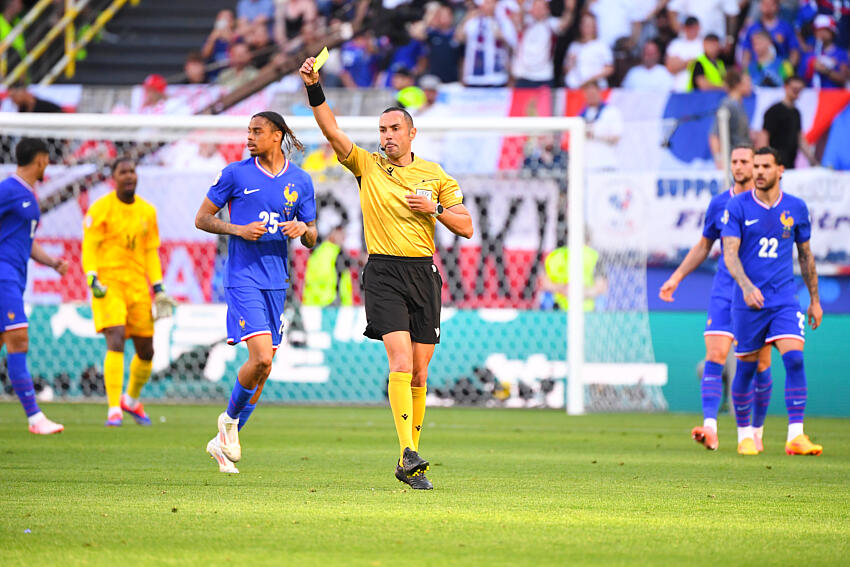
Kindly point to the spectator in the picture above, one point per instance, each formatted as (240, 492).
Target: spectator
(195, 69)
(707, 70)
(443, 49)
(28, 102)
(664, 29)
(644, 21)
(291, 17)
(430, 85)
(255, 11)
(682, 51)
(532, 64)
(649, 75)
(545, 157)
(411, 55)
(588, 58)
(216, 49)
(715, 16)
(8, 20)
(359, 62)
(408, 95)
(827, 66)
(613, 18)
(738, 87)
(838, 9)
(154, 99)
(240, 70)
(781, 33)
(488, 40)
(260, 45)
(783, 125)
(604, 128)
(767, 70)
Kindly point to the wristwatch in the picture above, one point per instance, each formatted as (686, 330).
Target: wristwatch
(439, 211)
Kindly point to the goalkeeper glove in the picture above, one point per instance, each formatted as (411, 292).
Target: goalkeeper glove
(98, 290)
(163, 304)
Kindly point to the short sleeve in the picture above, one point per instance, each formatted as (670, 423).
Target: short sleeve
(804, 225)
(450, 193)
(305, 209)
(93, 223)
(222, 188)
(357, 161)
(710, 230)
(731, 219)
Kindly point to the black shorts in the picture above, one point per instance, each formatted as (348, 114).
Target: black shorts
(402, 294)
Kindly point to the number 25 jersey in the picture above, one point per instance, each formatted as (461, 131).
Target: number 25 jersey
(768, 235)
(251, 194)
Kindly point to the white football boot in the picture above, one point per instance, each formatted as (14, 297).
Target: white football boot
(225, 465)
(228, 437)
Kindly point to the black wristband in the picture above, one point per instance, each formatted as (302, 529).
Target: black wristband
(157, 287)
(315, 94)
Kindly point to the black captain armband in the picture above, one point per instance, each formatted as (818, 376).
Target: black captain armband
(315, 94)
(158, 287)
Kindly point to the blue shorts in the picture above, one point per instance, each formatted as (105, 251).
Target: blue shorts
(252, 312)
(756, 327)
(12, 314)
(719, 320)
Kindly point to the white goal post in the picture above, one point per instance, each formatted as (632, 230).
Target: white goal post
(160, 129)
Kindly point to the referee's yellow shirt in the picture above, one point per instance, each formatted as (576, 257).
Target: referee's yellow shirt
(390, 226)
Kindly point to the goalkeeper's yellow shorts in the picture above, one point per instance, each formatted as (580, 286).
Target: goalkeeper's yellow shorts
(124, 305)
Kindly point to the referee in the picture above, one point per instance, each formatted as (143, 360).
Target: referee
(402, 197)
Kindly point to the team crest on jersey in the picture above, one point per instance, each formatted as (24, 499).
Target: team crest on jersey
(290, 195)
(241, 323)
(11, 316)
(787, 223)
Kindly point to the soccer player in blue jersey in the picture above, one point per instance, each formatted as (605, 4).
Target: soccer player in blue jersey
(760, 230)
(19, 216)
(718, 328)
(270, 201)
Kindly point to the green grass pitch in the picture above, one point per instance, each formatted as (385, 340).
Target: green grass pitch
(512, 488)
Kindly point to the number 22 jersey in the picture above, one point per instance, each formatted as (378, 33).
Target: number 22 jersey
(251, 194)
(768, 235)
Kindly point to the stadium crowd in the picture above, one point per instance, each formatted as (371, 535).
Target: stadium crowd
(680, 45)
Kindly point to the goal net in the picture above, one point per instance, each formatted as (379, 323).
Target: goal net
(525, 323)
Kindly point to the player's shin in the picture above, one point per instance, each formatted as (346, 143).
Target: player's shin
(712, 392)
(140, 373)
(113, 378)
(796, 391)
(762, 390)
(22, 382)
(401, 403)
(418, 418)
(742, 397)
(245, 414)
(239, 398)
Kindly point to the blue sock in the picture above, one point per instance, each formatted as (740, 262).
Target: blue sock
(795, 385)
(22, 381)
(245, 414)
(762, 388)
(742, 392)
(712, 389)
(239, 398)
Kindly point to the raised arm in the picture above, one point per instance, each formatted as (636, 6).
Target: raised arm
(207, 221)
(810, 276)
(696, 256)
(752, 294)
(322, 112)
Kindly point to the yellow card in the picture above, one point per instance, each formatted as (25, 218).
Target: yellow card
(321, 58)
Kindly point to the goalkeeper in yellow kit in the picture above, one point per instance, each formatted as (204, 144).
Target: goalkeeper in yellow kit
(120, 257)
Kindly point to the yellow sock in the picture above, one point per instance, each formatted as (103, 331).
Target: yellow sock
(401, 403)
(140, 373)
(418, 412)
(113, 377)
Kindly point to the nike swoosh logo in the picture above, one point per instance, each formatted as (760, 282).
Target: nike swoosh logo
(249, 191)
(750, 222)
(27, 204)
(798, 402)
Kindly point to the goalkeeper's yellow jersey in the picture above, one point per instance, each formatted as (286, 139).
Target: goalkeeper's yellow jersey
(121, 242)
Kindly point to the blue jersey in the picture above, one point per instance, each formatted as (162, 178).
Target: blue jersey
(253, 194)
(723, 284)
(19, 216)
(768, 235)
